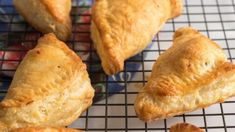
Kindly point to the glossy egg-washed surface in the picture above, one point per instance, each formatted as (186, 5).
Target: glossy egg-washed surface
(193, 73)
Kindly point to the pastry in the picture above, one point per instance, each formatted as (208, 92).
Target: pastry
(122, 28)
(185, 127)
(44, 129)
(47, 16)
(51, 87)
(193, 73)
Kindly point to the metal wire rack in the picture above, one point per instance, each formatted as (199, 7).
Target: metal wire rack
(214, 18)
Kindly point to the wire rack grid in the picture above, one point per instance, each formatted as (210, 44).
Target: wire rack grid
(214, 18)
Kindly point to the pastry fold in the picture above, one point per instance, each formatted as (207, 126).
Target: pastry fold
(122, 28)
(47, 16)
(51, 87)
(193, 73)
(185, 127)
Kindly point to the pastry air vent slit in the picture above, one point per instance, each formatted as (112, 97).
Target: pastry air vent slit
(214, 18)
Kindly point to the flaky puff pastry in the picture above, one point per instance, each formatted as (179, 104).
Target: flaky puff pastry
(45, 129)
(51, 87)
(122, 28)
(185, 127)
(193, 73)
(47, 16)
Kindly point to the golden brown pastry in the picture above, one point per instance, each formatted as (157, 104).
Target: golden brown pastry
(122, 28)
(44, 129)
(51, 87)
(47, 16)
(193, 73)
(185, 127)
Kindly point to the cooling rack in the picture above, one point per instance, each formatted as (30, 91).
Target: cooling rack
(214, 18)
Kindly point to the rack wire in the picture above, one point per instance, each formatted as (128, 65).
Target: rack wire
(214, 18)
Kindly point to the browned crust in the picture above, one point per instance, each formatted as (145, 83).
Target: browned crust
(146, 113)
(114, 60)
(52, 40)
(48, 39)
(177, 80)
(177, 6)
(43, 20)
(185, 127)
(59, 9)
